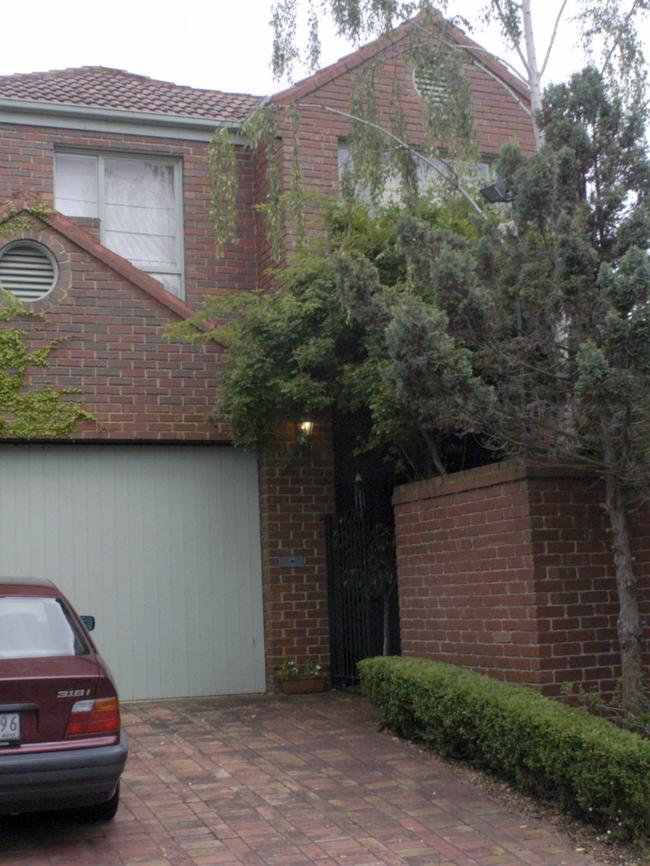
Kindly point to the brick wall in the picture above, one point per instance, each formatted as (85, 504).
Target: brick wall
(296, 491)
(576, 590)
(27, 169)
(116, 357)
(143, 387)
(507, 569)
(497, 118)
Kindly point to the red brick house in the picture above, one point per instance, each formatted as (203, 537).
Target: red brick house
(204, 566)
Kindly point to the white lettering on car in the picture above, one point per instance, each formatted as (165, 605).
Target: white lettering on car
(73, 693)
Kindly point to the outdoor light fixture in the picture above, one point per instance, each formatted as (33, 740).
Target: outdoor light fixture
(496, 192)
(305, 430)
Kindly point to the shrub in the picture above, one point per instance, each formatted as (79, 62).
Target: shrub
(586, 764)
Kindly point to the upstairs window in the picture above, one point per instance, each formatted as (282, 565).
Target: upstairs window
(137, 201)
(429, 180)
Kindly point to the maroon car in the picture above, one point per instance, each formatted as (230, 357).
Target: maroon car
(60, 740)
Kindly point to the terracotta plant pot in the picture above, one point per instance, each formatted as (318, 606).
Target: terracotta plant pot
(303, 685)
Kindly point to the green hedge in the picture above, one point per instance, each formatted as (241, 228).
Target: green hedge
(586, 764)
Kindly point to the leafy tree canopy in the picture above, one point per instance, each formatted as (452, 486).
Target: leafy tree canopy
(320, 343)
(609, 30)
(530, 330)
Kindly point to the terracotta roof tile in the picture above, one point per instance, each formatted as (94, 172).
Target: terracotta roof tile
(101, 87)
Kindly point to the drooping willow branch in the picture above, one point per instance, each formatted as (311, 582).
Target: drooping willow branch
(449, 170)
(509, 31)
(617, 40)
(458, 46)
(482, 66)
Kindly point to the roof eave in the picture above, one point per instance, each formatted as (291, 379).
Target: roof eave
(156, 123)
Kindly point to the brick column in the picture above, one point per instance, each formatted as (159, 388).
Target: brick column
(296, 492)
(508, 570)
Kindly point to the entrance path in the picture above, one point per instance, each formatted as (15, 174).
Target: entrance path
(274, 781)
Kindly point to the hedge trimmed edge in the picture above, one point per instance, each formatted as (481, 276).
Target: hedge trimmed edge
(584, 763)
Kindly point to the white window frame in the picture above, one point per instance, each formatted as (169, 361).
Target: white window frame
(176, 163)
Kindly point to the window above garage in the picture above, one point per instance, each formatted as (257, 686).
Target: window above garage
(137, 200)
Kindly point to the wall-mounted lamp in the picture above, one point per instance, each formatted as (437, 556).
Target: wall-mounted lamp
(496, 192)
(305, 431)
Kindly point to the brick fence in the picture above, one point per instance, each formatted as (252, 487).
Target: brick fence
(507, 569)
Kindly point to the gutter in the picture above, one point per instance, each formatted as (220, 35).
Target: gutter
(64, 116)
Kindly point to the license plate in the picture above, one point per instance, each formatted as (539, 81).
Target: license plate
(9, 727)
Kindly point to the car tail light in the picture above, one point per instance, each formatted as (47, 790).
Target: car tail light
(101, 716)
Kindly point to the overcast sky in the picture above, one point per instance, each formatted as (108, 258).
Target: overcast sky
(216, 44)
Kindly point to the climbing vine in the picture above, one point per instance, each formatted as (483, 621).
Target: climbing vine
(12, 221)
(28, 412)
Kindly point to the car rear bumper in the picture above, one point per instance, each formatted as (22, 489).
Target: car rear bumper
(60, 780)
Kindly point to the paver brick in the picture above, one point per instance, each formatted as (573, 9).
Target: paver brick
(303, 781)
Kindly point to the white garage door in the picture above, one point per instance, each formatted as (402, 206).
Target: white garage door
(161, 544)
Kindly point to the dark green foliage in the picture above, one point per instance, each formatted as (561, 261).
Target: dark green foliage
(324, 341)
(586, 764)
(531, 333)
(636, 719)
(288, 358)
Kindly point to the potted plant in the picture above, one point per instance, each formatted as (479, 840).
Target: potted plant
(302, 678)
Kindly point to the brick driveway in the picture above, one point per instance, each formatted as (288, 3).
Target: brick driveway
(283, 782)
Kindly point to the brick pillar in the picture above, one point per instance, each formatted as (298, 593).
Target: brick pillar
(466, 573)
(296, 492)
(508, 570)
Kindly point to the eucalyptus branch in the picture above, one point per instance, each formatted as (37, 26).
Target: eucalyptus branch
(400, 141)
(409, 459)
(512, 69)
(496, 5)
(617, 40)
(509, 422)
(505, 86)
(540, 371)
(553, 36)
(542, 456)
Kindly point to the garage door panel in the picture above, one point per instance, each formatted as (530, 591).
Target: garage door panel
(160, 543)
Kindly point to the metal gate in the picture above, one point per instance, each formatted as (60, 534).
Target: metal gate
(355, 615)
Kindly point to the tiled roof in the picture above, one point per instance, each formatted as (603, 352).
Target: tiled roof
(101, 87)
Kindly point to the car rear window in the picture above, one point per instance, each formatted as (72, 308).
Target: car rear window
(33, 627)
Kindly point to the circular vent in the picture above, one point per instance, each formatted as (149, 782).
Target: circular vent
(28, 270)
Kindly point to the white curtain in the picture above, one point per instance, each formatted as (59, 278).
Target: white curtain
(139, 209)
(140, 212)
